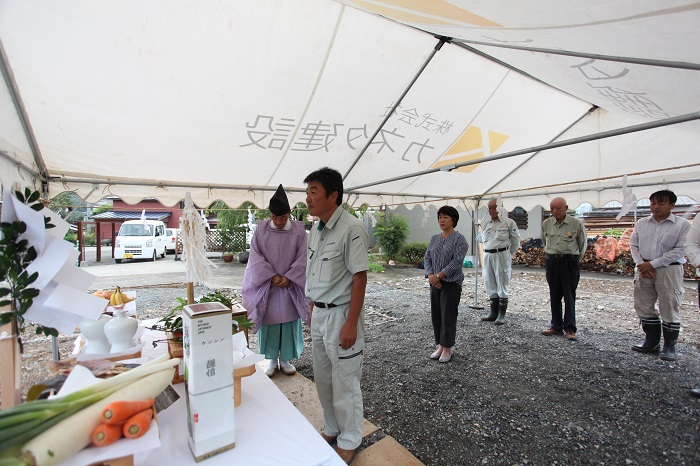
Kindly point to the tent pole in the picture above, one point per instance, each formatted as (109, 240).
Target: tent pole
(593, 56)
(551, 145)
(390, 113)
(21, 110)
(475, 250)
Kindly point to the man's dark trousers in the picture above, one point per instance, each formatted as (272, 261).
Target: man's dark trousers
(563, 274)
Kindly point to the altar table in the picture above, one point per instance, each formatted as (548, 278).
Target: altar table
(270, 431)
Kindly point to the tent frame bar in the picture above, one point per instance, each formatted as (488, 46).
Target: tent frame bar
(436, 49)
(31, 170)
(593, 56)
(603, 188)
(425, 197)
(520, 165)
(551, 145)
(21, 110)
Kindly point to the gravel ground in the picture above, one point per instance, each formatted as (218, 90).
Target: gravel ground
(510, 395)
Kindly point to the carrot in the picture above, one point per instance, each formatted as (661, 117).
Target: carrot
(106, 434)
(119, 411)
(138, 424)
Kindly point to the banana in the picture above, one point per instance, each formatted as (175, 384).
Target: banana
(119, 298)
(113, 298)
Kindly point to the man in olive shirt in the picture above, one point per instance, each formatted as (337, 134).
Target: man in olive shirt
(564, 239)
(336, 277)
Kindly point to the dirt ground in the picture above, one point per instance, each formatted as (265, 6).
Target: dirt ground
(510, 395)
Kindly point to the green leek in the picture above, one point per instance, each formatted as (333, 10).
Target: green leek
(24, 422)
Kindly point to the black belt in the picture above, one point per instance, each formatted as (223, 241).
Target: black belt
(672, 263)
(325, 305)
(496, 250)
(562, 256)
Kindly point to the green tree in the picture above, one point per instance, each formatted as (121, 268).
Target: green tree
(391, 232)
(232, 224)
(101, 208)
(301, 212)
(414, 252)
(349, 209)
(363, 208)
(71, 207)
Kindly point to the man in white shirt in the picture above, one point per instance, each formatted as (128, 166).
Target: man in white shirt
(657, 245)
(501, 240)
(692, 250)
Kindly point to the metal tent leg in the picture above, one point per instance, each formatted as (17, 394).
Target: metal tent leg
(473, 214)
(54, 349)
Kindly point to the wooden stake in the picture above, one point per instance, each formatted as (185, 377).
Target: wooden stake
(190, 293)
(10, 366)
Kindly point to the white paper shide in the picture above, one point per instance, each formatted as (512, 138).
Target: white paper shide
(63, 301)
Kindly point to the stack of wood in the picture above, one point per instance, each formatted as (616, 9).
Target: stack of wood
(532, 258)
(532, 255)
(689, 271)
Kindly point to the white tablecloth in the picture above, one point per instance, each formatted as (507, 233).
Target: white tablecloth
(269, 431)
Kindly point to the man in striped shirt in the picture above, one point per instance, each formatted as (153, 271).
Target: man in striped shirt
(657, 245)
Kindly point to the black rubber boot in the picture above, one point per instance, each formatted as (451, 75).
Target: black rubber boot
(494, 311)
(695, 392)
(652, 329)
(502, 306)
(671, 331)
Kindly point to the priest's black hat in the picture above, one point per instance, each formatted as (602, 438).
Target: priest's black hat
(279, 205)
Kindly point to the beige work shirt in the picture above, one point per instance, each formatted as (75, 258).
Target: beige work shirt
(499, 234)
(567, 237)
(335, 254)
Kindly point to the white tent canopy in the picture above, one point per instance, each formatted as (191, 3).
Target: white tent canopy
(227, 99)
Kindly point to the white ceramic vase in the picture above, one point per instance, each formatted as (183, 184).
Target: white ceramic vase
(120, 331)
(94, 333)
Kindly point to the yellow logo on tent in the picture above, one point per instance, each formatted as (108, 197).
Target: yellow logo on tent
(435, 12)
(470, 146)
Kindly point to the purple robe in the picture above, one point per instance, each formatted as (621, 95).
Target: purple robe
(276, 252)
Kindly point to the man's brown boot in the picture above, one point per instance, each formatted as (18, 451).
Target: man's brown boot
(346, 455)
(328, 438)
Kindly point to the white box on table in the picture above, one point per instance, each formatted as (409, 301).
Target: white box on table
(210, 423)
(208, 354)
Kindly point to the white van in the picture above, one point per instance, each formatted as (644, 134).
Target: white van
(138, 241)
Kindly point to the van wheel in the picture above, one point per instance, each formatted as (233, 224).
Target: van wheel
(165, 251)
(118, 261)
(155, 256)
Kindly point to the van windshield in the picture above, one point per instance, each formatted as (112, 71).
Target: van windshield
(136, 229)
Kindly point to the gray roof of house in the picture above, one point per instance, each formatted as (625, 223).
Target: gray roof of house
(130, 215)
